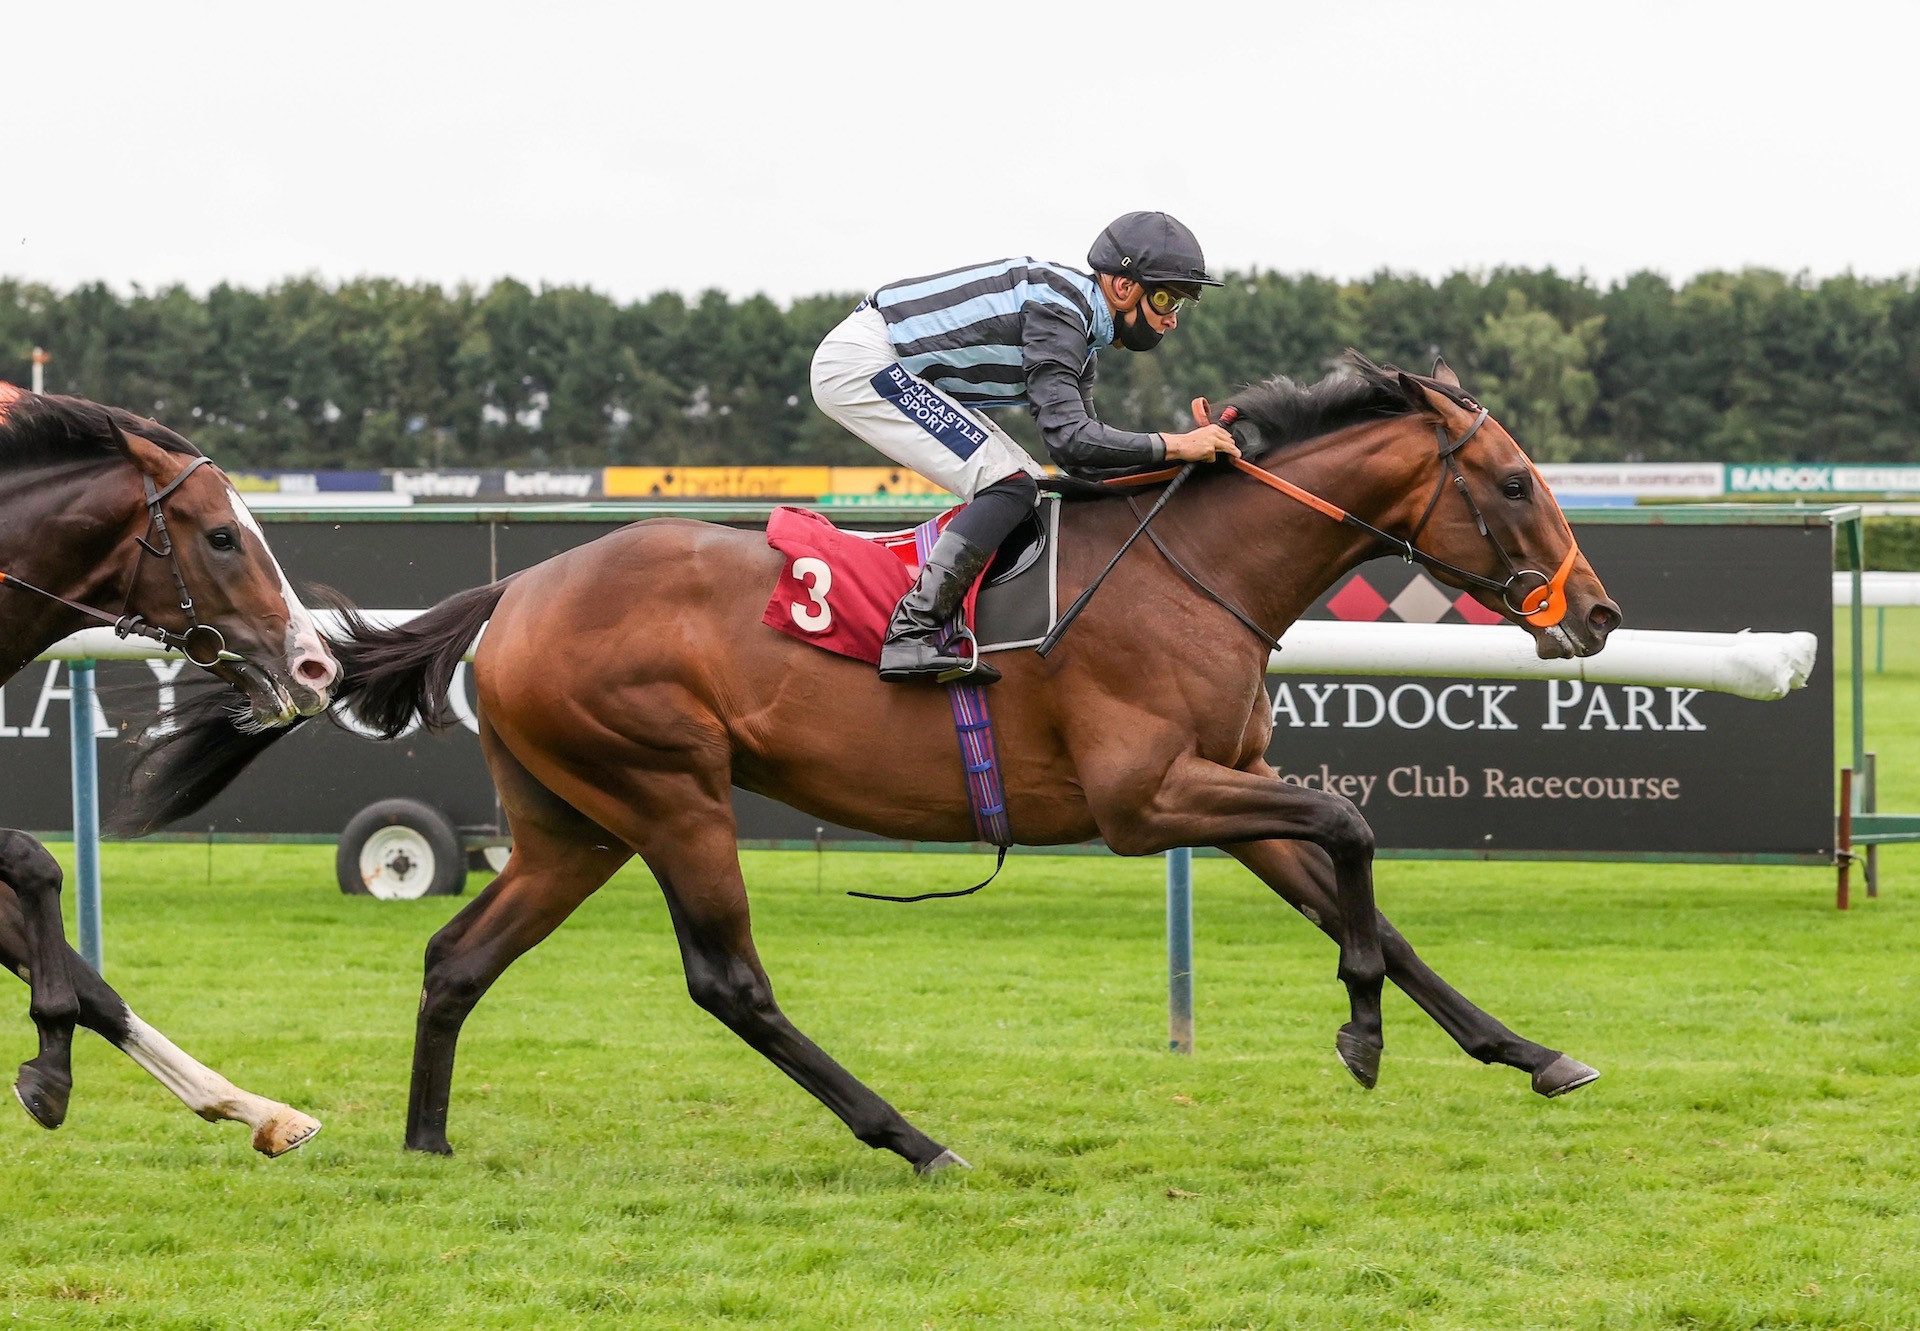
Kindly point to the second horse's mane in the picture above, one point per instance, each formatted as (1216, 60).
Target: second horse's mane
(45, 430)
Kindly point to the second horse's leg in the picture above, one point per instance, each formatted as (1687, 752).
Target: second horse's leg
(1303, 877)
(45, 1082)
(277, 1128)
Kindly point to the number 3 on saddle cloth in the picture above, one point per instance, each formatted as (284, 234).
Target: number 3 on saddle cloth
(837, 590)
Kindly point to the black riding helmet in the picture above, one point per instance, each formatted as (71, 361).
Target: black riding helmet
(1153, 249)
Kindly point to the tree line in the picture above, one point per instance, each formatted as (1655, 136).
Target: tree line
(1746, 366)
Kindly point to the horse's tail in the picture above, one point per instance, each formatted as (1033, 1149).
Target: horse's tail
(388, 676)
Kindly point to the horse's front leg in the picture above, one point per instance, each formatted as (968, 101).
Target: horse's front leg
(45, 1082)
(1201, 803)
(1303, 877)
(277, 1128)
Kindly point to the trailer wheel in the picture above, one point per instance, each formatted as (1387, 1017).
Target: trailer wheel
(400, 850)
(489, 860)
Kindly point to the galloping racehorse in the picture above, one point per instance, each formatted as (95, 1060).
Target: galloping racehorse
(100, 508)
(626, 685)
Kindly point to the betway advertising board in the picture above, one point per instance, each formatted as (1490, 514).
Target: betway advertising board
(1455, 766)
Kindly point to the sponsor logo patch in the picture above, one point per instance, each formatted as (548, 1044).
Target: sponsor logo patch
(955, 430)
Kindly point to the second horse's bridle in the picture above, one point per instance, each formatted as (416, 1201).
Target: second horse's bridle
(202, 644)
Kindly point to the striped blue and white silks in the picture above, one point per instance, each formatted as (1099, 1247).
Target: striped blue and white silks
(1016, 332)
(859, 381)
(967, 331)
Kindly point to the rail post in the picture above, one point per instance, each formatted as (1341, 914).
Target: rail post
(1870, 803)
(1180, 950)
(86, 810)
(1843, 842)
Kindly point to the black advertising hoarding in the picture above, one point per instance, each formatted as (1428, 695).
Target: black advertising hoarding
(1512, 766)
(1457, 766)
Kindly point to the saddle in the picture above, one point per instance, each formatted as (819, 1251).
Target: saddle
(838, 588)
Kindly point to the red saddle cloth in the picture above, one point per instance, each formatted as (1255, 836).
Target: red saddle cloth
(838, 589)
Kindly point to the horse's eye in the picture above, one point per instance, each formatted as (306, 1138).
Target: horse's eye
(1514, 487)
(221, 538)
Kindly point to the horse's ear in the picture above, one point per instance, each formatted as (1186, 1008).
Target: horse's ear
(120, 440)
(1413, 391)
(1443, 373)
(1423, 396)
(142, 453)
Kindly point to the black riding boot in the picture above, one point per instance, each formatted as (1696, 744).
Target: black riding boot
(912, 651)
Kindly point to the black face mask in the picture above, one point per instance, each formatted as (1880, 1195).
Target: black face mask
(1134, 332)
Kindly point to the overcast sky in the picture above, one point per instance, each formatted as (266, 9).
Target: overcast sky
(828, 146)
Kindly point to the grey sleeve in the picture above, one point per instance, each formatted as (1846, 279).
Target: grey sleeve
(1059, 383)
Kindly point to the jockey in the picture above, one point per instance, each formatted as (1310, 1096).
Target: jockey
(911, 369)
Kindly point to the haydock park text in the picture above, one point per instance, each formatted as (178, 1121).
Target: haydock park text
(1570, 705)
(1561, 705)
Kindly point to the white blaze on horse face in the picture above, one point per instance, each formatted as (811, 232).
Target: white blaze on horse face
(308, 658)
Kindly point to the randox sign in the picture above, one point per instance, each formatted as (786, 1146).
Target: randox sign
(1822, 478)
(1451, 766)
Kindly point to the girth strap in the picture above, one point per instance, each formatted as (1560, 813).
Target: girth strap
(979, 760)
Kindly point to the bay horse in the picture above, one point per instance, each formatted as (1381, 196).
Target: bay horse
(100, 508)
(624, 686)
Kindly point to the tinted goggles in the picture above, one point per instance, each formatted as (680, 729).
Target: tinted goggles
(1166, 300)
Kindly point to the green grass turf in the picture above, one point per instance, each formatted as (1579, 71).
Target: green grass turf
(1747, 1160)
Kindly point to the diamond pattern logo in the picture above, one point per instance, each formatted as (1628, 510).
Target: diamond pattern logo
(1357, 602)
(1396, 593)
(1421, 602)
(1473, 612)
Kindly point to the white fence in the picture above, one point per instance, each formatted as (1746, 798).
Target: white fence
(1752, 665)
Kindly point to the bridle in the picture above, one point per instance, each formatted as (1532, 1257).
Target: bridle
(202, 644)
(1527, 594)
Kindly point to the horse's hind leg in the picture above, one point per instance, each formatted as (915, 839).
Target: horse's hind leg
(1303, 876)
(559, 859)
(696, 859)
(277, 1128)
(46, 1080)
(545, 878)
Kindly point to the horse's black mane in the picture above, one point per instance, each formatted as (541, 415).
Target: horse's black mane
(1286, 412)
(1282, 412)
(45, 430)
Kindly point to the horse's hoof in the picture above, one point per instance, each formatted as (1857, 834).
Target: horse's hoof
(440, 1146)
(1362, 1057)
(945, 1160)
(43, 1097)
(287, 1130)
(1562, 1075)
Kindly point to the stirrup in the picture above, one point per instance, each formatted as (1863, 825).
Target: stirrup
(960, 674)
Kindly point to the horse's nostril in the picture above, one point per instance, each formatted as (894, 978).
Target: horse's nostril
(1603, 618)
(315, 672)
